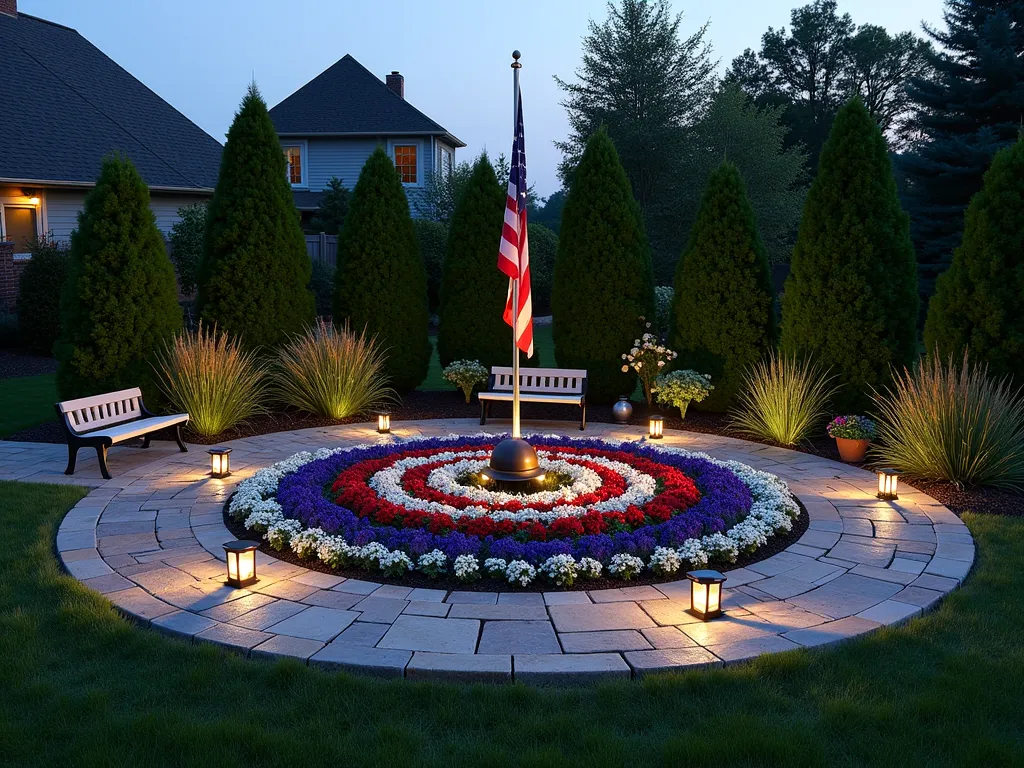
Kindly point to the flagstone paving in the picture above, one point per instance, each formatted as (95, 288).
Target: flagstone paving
(150, 541)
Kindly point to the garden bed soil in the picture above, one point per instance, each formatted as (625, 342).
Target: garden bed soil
(16, 362)
(775, 544)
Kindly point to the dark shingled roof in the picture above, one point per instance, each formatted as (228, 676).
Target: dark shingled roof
(349, 98)
(67, 105)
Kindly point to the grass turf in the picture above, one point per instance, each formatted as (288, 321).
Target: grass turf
(543, 349)
(80, 685)
(28, 401)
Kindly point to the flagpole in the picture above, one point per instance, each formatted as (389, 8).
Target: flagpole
(516, 432)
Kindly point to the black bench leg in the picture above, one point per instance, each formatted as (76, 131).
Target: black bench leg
(145, 441)
(177, 438)
(483, 412)
(583, 415)
(72, 458)
(101, 456)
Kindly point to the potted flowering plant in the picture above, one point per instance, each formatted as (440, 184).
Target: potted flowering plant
(853, 435)
(466, 375)
(679, 388)
(647, 357)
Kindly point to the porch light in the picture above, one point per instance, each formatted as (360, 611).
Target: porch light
(888, 484)
(705, 594)
(241, 557)
(656, 427)
(33, 201)
(220, 462)
(383, 422)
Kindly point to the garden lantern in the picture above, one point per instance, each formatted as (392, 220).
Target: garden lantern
(656, 427)
(383, 422)
(241, 557)
(705, 594)
(888, 484)
(220, 462)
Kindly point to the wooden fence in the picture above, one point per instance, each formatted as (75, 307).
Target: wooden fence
(322, 248)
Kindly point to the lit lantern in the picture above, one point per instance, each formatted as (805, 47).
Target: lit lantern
(706, 594)
(888, 484)
(241, 557)
(220, 462)
(33, 201)
(656, 427)
(383, 422)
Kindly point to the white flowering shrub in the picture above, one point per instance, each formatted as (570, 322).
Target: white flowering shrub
(520, 572)
(335, 552)
(466, 568)
(304, 543)
(721, 547)
(665, 561)
(590, 568)
(263, 515)
(433, 564)
(465, 374)
(280, 534)
(369, 555)
(625, 566)
(495, 567)
(693, 552)
(395, 563)
(561, 569)
(647, 357)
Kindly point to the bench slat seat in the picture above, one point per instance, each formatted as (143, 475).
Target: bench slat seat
(100, 421)
(566, 386)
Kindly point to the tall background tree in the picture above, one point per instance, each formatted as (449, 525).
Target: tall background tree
(120, 301)
(979, 301)
(333, 208)
(603, 281)
(473, 291)
(648, 86)
(381, 284)
(723, 318)
(851, 298)
(255, 271)
(967, 111)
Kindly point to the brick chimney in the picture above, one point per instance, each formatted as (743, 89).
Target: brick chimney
(9, 7)
(395, 81)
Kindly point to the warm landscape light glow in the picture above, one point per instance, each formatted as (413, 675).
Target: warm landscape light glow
(656, 427)
(383, 423)
(706, 594)
(888, 484)
(241, 557)
(220, 462)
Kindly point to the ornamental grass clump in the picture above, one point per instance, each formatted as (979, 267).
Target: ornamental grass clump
(782, 400)
(944, 421)
(207, 374)
(330, 372)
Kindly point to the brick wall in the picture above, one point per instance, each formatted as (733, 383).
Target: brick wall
(10, 7)
(10, 273)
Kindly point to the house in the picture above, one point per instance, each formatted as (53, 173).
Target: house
(66, 106)
(331, 125)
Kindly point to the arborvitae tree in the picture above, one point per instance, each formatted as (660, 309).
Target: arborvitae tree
(603, 280)
(723, 315)
(473, 291)
(967, 111)
(120, 301)
(851, 297)
(39, 289)
(432, 237)
(978, 303)
(255, 270)
(381, 283)
(543, 247)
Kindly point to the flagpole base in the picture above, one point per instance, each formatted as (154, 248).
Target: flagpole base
(513, 460)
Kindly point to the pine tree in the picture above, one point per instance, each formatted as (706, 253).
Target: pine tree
(603, 280)
(723, 314)
(978, 302)
(120, 301)
(967, 111)
(473, 291)
(255, 271)
(851, 297)
(381, 283)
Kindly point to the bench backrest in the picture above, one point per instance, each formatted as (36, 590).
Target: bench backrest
(88, 413)
(559, 381)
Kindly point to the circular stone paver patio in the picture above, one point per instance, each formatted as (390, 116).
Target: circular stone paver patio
(150, 541)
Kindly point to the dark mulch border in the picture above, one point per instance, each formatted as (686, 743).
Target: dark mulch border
(775, 545)
(15, 363)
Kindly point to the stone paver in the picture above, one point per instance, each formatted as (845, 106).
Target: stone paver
(150, 541)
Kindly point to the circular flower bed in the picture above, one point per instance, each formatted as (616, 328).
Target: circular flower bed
(619, 508)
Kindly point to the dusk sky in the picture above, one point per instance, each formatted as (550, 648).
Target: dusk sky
(199, 55)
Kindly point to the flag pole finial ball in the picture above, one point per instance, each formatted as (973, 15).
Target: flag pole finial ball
(516, 54)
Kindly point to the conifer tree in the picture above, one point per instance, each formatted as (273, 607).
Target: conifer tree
(254, 276)
(120, 301)
(851, 298)
(473, 291)
(723, 315)
(979, 302)
(381, 284)
(603, 279)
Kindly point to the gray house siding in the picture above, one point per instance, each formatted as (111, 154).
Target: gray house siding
(61, 208)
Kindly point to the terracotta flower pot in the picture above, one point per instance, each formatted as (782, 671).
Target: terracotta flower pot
(852, 451)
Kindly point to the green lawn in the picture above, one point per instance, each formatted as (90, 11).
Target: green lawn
(27, 401)
(80, 686)
(543, 348)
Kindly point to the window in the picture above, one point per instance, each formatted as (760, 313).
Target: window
(405, 162)
(20, 226)
(294, 157)
(446, 162)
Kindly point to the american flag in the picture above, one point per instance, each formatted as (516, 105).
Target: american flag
(514, 250)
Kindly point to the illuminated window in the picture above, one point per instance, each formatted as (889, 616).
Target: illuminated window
(294, 157)
(20, 226)
(405, 162)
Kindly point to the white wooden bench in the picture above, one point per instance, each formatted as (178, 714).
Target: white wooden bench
(537, 385)
(101, 421)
